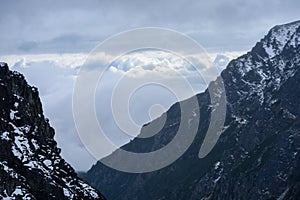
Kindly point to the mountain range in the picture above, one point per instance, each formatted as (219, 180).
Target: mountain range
(257, 154)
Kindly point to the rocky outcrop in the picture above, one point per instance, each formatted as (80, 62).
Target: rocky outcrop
(258, 153)
(30, 163)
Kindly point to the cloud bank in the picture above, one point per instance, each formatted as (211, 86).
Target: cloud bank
(54, 75)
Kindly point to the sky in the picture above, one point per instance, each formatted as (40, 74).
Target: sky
(49, 41)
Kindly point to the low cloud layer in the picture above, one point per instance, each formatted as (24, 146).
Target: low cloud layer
(48, 41)
(55, 75)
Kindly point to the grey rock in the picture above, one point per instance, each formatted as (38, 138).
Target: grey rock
(256, 156)
(30, 163)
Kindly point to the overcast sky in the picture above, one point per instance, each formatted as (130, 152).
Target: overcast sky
(76, 26)
(49, 40)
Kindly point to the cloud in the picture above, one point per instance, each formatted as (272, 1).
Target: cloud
(48, 41)
(28, 46)
(77, 26)
(54, 75)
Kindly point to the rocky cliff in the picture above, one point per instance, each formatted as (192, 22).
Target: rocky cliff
(30, 163)
(257, 154)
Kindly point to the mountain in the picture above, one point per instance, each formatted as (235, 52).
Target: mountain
(30, 163)
(257, 154)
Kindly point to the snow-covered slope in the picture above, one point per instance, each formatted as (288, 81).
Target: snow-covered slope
(30, 163)
(258, 153)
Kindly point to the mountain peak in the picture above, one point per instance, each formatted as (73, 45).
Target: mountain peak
(280, 36)
(2, 64)
(257, 155)
(30, 163)
(3, 68)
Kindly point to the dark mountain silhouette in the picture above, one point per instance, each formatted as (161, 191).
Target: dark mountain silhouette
(30, 163)
(257, 154)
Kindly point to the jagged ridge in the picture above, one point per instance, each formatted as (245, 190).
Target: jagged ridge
(257, 155)
(30, 163)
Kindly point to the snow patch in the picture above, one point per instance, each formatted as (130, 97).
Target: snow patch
(240, 120)
(280, 35)
(67, 193)
(2, 64)
(217, 165)
(217, 179)
(12, 114)
(281, 197)
(5, 136)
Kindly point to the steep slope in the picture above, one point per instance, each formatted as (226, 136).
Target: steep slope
(30, 163)
(257, 154)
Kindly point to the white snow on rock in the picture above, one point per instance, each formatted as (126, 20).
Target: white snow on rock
(67, 193)
(280, 35)
(18, 192)
(240, 120)
(2, 64)
(9, 170)
(16, 104)
(33, 149)
(281, 197)
(5, 136)
(12, 114)
(217, 165)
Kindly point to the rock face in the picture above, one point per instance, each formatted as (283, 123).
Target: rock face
(30, 163)
(258, 153)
